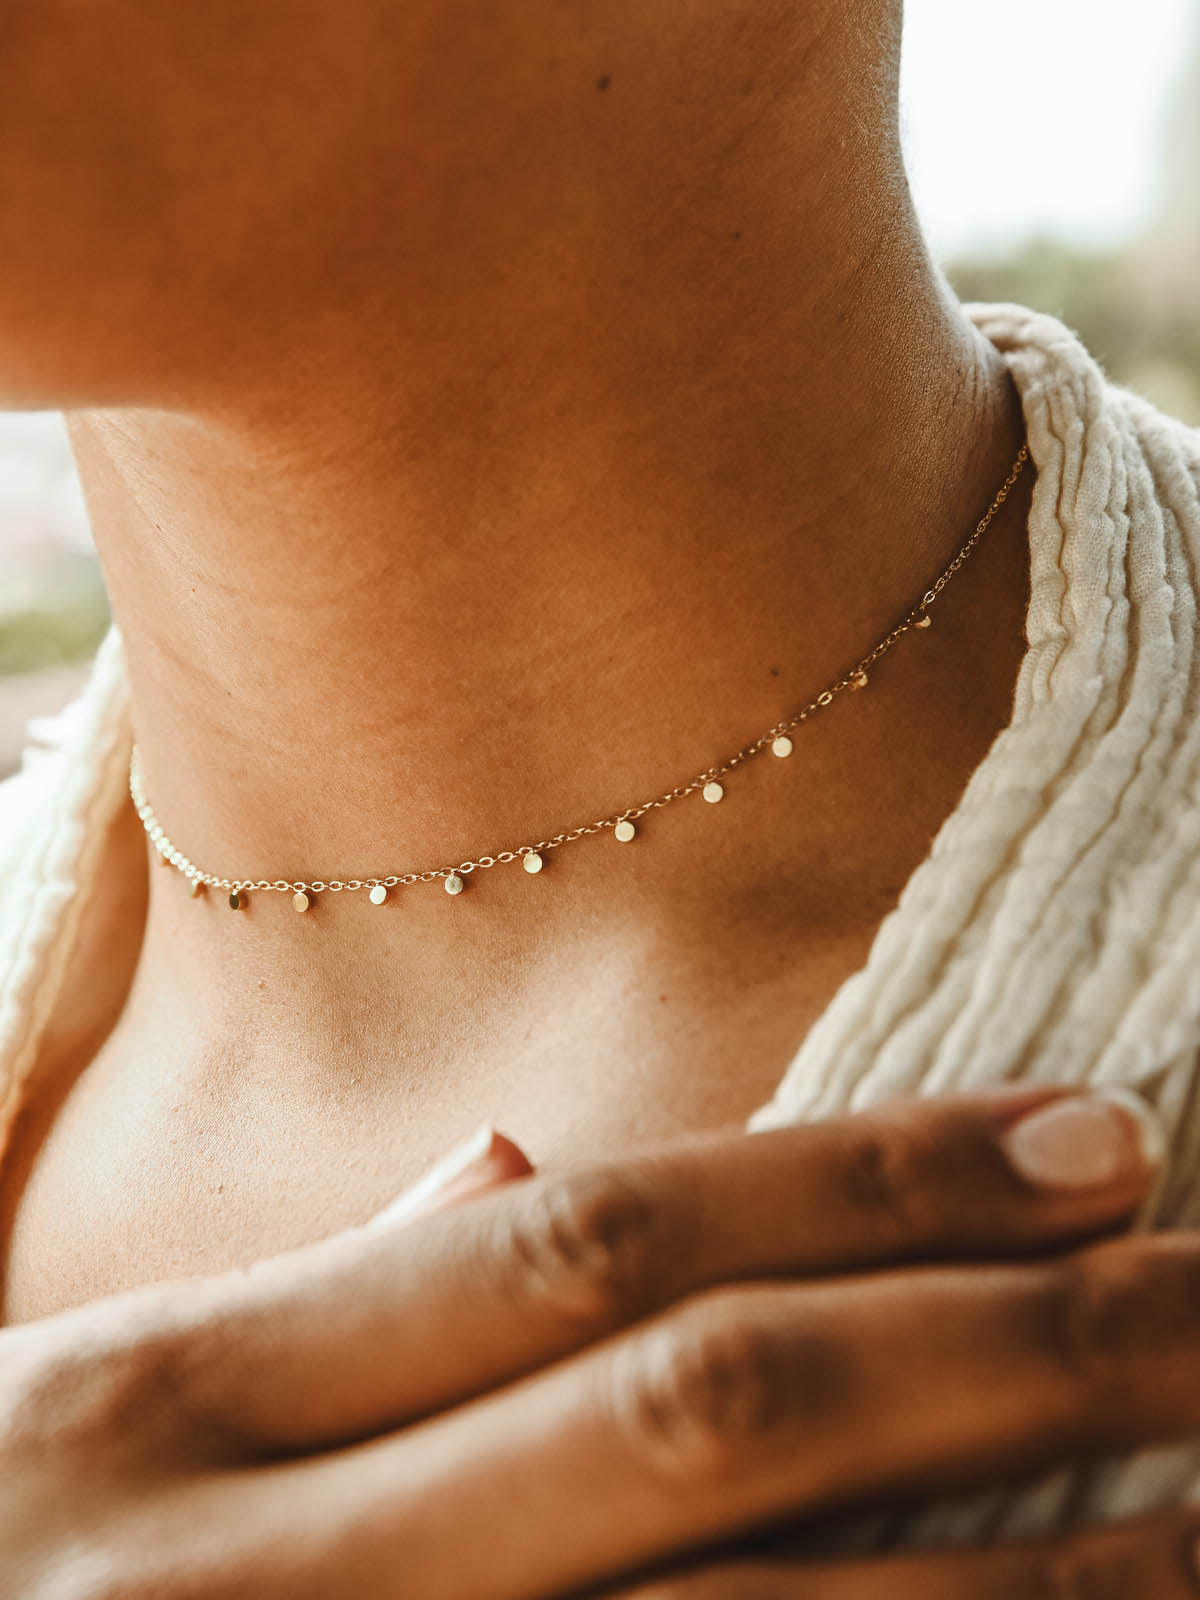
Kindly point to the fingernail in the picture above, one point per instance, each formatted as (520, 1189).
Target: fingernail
(1087, 1141)
(473, 1154)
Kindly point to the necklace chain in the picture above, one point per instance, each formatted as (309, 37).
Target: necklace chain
(622, 823)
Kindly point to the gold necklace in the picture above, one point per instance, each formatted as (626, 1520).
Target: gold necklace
(623, 823)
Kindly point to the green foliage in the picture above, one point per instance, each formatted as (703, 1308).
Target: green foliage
(65, 622)
(1137, 310)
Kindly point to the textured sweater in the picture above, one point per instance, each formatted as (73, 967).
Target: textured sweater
(1053, 930)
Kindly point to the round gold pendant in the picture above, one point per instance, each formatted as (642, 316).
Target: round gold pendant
(624, 831)
(300, 901)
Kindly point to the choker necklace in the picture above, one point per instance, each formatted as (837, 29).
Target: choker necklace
(623, 825)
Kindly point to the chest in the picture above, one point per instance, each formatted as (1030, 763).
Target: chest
(154, 1161)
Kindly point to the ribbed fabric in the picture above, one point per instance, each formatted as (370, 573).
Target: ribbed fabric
(53, 816)
(1053, 932)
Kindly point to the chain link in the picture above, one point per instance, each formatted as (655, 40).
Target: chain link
(856, 674)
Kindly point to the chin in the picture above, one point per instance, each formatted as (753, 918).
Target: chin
(70, 362)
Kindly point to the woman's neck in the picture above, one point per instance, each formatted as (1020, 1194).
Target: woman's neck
(649, 458)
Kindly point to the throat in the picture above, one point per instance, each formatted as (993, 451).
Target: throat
(717, 922)
(272, 1076)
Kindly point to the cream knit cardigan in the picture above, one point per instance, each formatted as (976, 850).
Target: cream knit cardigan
(1053, 932)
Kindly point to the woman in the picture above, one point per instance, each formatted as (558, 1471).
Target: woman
(489, 421)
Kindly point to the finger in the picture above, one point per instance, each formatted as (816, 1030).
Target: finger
(1155, 1558)
(124, 1353)
(480, 1163)
(372, 1329)
(754, 1403)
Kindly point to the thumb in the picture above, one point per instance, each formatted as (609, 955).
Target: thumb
(484, 1161)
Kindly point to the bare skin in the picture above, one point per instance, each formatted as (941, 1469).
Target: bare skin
(634, 414)
(489, 419)
(599, 1378)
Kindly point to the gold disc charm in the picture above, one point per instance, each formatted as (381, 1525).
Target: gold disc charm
(197, 888)
(532, 857)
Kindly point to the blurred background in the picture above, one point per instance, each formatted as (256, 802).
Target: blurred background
(1054, 150)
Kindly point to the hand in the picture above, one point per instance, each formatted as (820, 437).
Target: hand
(576, 1376)
(1153, 1559)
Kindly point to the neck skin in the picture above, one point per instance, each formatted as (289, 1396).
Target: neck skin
(678, 429)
